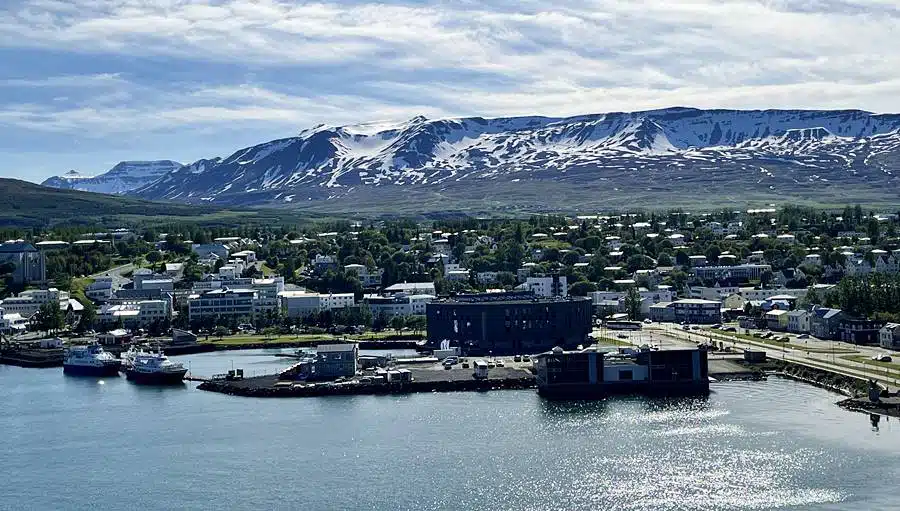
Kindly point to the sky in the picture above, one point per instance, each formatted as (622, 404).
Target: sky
(85, 84)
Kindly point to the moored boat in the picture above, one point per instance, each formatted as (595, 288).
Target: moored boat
(154, 369)
(90, 360)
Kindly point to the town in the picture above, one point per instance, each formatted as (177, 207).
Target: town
(832, 276)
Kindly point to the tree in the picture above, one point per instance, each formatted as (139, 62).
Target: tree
(88, 316)
(397, 323)
(220, 332)
(416, 323)
(582, 288)
(633, 304)
(49, 317)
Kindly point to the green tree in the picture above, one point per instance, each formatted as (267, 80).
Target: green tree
(397, 323)
(221, 331)
(633, 304)
(49, 317)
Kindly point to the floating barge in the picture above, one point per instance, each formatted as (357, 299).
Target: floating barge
(412, 380)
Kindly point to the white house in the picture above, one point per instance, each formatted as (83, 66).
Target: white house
(889, 336)
(546, 286)
(411, 288)
(366, 278)
(297, 304)
(28, 302)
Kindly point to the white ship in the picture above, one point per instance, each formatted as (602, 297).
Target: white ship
(90, 360)
(154, 369)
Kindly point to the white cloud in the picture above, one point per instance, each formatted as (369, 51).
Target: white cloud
(453, 58)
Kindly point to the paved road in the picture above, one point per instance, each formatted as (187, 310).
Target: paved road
(117, 274)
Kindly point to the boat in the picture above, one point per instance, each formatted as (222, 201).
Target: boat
(90, 360)
(155, 369)
(129, 356)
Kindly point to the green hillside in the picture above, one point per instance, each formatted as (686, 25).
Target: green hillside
(24, 204)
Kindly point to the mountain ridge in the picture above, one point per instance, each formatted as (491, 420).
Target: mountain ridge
(124, 177)
(658, 154)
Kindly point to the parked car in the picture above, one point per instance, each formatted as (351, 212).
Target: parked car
(526, 358)
(882, 357)
(517, 358)
(622, 336)
(731, 329)
(450, 361)
(803, 336)
(648, 322)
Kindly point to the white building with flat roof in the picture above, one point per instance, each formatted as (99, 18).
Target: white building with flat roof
(28, 302)
(298, 304)
(412, 288)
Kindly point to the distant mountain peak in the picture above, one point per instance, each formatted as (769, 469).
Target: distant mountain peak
(122, 178)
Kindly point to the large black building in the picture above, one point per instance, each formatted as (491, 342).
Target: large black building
(509, 323)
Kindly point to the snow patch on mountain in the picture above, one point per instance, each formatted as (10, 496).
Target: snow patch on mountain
(666, 145)
(124, 177)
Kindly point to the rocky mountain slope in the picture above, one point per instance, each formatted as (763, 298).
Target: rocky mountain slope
(124, 177)
(673, 156)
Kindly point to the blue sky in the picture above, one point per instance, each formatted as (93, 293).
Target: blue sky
(87, 83)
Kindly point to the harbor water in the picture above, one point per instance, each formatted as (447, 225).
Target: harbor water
(87, 443)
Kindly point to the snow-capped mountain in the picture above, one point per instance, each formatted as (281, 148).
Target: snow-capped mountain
(658, 152)
(124, 177)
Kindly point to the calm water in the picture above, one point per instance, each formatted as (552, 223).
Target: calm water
(74, 443)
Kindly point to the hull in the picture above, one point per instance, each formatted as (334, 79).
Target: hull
(85, 370)
(155, 378)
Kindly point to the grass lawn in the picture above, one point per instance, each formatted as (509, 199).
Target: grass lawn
(78, 286)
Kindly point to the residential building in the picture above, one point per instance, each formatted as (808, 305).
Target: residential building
(412, 288)
(860, 330)
(734, 301)
(554, 285)
(798, 321)
(204, 250)
(777, 320)
(399, 304)
(28, 302)
(693, 310)
(712, 293)
(322, 263)
(101, 290)
(525, 271)
(222, 303)
(298, 304)
(123, 296)
(661, 312)
(165, 284)
(267, 289)
(824, 322)
(366, 277)
(136, 314)
(29, 263)
(508, 323)
(889, 336)
(753, 294)
(739, 272)
(335, 361)
(486, 277)
(12, 323)
(175, 270)
(247, 256)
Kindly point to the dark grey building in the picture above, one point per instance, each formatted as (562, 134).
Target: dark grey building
(508, 323)
(335, 360)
